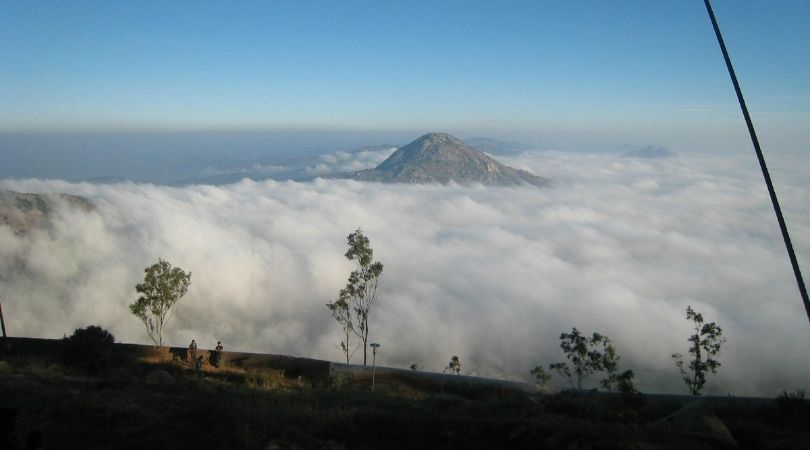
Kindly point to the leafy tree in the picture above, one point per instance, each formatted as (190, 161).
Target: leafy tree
(162, 288)
(610, 365)
(454, 366)
(624, 383)
(584, 360)
(541, 377)
(563, 370)
(360, 292)
(88, 348)
(342, 313)
(589, 355)
(704, 348)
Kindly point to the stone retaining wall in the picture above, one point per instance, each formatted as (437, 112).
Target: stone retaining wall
(292, 366)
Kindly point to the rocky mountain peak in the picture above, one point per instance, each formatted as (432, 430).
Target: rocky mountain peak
(443, 158)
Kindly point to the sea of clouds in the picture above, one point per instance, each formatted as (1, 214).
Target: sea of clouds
(339, 162)
(494, 275)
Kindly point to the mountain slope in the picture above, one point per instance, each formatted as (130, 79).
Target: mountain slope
(23, 212)
(442, 158)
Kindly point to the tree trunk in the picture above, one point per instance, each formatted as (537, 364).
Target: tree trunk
(347, 346)
(365, 341)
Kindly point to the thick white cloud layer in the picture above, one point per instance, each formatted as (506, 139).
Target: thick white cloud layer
(493, 275)
(348, 161)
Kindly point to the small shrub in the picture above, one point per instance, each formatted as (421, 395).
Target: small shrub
(624, 383)
(54, 371)
(454, 366)
(791, 398)
(541, 377)
(5, 367)
(265, 378)
(88, 349)
(793, 405)
(337, 381)
(39, 367)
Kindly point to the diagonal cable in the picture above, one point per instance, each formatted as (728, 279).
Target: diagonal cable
(793, 261)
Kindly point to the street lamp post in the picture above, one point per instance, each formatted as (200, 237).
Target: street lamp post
(374, 347)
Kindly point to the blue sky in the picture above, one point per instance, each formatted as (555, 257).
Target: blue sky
(597, 67)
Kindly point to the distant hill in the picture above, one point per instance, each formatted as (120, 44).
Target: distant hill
(650, 152)
(23, 212)
(496, 147)
(442, 158)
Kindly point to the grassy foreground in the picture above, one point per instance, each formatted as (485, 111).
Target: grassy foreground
(142, 404)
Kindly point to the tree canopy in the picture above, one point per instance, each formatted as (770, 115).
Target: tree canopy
(353, 306)
(704, 348)
(162, 288)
